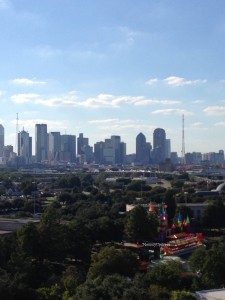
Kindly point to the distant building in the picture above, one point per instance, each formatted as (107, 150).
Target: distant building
(88, 154)
(168, 148)
(174, 158)
(193, 158)
(24, 147)
(98, 152)
(214, 158)
(54, 146)
(159, 145)
(114, 151)
(2, 138)
(143, 150)
(68, 148)
(7, 155)
(81, 143)
(41, 142)
(110, 152)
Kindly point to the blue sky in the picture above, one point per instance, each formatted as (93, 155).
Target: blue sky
(115, 68)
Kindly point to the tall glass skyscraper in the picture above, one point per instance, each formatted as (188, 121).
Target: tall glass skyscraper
(142, 149)
(41, 142)
(54, 146)
(2, 137)
(68, 148)
(24, 146)
(159, 145)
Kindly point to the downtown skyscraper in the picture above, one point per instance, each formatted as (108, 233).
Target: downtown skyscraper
(41, 142)
(159, 145)
(143, 149)
(24, 147)
(2, 137)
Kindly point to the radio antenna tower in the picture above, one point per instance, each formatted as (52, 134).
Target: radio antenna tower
(183, 143)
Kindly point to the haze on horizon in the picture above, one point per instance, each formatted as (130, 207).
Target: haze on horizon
(115, 68)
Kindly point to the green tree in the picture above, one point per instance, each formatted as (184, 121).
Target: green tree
(72, 277)
(182, 295)
(28, 239)
(77, 241)
(50, 293)
(157, 292)
(167, 275)
(141, 225)
(197, 259)
(73, 181)
(53, 238)
(86, 180)
(65, 198)
(28, 187)
(209, 266)
(136, 186)
(104, 229)
(111, 287)
(213, 215)
(110, 261)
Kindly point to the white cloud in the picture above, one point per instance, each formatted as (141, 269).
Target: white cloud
(46, 51)
(102, 121)
(52, 125)
(152, 81)
(215, 110)
(100, 101)
(30, 112)
(153, 101)
(110, 101)
(175, 81)
(198, 101)
(197, 124)
(172, 111)
(25, 98)
(180, 81)
(27, 81)
(219, 124)
(111, 125)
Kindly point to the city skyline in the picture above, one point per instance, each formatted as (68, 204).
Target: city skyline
(143, 145)
(54, 148)
(108, 68)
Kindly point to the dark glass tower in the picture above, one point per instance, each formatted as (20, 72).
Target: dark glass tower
(159, 145)
(41, 142)
(142, 149)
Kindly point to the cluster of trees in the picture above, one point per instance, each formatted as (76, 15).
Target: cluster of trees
(54, 260)
(209, 266)
(75, 252)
